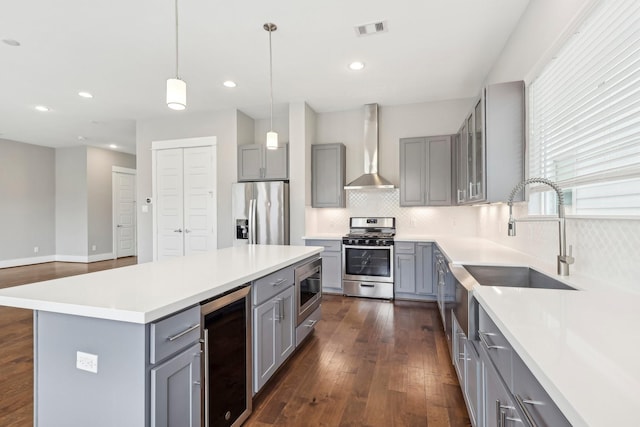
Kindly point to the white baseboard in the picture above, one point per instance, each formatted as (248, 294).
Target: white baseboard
(84, 258)
(49, 258)
(101, 257)
(26, 261)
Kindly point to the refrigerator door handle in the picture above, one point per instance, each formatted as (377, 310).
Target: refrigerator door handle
(250, 222)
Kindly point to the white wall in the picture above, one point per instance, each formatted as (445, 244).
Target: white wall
(302, 128)
(27, 200)
(223, 125)
(395, 122)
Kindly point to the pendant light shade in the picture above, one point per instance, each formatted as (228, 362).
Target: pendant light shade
(176, 94)
(272, 137)
(176, 87)
(272, 140)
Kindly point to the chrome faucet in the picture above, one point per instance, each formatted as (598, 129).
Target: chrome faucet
(564, 260)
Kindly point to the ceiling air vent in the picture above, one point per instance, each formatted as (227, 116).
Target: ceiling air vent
(371, 28)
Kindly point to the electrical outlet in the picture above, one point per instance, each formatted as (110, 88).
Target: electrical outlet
(87, 362)
(93, 248)
(36, 249)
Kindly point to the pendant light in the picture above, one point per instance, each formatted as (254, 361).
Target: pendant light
(272, 137)
(176, 88)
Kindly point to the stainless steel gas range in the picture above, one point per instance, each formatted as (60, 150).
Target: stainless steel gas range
(367, 257)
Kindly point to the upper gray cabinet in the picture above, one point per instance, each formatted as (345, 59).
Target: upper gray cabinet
(257, 163)
(425, 171)
(490, 145)
(328, 175)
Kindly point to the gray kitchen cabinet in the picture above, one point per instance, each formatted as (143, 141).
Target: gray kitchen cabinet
(413, 278)
(425, 171)
(257, 163)
(274, 335)
(404, 281)
(424, 270)
(490, 145)
(175, 390)
(328, 170)
(499, 407)
(331, 264)
(511, 391)
(473, 381)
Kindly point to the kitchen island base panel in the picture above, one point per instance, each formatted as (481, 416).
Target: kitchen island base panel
(67, 396)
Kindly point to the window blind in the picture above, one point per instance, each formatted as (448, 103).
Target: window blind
(584, 116)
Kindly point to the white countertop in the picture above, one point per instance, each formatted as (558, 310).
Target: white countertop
(146, 292)
(580, 345)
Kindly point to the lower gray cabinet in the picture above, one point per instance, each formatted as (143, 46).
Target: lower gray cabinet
(331, 264)
(499, 408)
(274, 335)
(413, 271)
(175, 390)
(424, 270)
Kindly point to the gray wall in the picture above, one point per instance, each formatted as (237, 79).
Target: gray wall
(27, 202)
(223, 125)
(71, 202)
(99, 196)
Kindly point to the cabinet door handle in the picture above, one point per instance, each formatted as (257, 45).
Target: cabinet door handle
(183, 333)
(311, 323)
(282, 309)
(278, 282)
(186, 230)
(521, 403)
(484, 341)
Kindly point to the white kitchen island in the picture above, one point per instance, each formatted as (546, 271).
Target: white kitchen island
(111, 314)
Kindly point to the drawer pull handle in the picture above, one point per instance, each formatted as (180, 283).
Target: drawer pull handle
(311, 323)
(521, 403)
(183, 333)
(278, 282)
(366, 285)
(486, 344)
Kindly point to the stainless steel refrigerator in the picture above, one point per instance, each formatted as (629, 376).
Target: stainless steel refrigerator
(260, 213)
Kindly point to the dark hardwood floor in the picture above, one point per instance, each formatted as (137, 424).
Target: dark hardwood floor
(369, 363)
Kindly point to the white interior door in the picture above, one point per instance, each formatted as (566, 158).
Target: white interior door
(169, 203)
(199, 199)
(124, 214)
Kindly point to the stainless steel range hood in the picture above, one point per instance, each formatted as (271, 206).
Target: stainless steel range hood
(370, 179)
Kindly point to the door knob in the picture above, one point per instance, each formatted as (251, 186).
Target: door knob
(179, 230)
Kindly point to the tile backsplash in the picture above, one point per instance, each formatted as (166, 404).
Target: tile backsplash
(459, 221)
(605, 249)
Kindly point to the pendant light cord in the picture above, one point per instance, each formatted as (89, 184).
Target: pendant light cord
(270, 79)
(177, 74)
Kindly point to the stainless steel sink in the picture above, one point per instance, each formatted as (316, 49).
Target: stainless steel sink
(518, 277)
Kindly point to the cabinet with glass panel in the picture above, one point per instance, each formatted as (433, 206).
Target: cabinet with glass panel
(490, 145)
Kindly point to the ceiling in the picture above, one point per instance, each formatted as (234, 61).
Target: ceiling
(123, 51)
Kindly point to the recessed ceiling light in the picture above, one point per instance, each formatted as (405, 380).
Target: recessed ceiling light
(82, 138)
(42, 108)
(11, 42)
(113, 146)
(85, 94)
(230, 83)
(356, 66)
